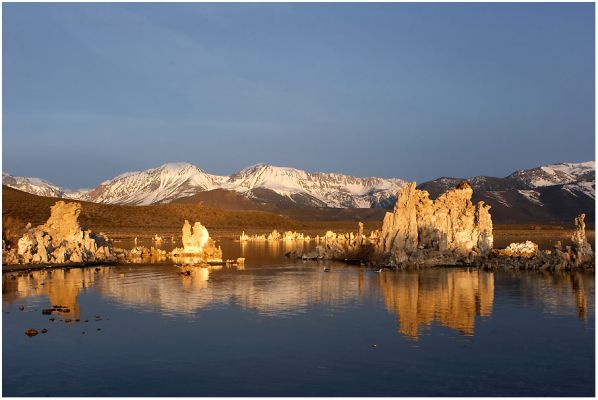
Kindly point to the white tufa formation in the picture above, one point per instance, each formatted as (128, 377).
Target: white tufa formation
(61, 239)
(584, 253)
(197, 243)
(524, 249)
(446, 230)
(274, 236)
(194, 242)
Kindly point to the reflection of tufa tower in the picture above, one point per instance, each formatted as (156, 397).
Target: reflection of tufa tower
(61, 286)
(581, 299)
(453, 299)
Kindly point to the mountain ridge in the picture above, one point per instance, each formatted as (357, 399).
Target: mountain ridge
(553, 193)
(171, 181)
(526, 194)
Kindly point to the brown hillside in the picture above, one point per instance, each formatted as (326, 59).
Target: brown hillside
(121, 219)
(231, 200)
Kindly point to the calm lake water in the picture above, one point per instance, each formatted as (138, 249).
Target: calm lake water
(283, 327)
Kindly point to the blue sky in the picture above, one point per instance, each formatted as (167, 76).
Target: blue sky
(415, 91)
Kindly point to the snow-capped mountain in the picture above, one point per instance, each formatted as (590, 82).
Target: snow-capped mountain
(262, 183)
(156, 185)
(33, 185)
(315, 189)
(556, 174)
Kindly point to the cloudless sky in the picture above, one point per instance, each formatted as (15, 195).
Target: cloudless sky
(415, 91)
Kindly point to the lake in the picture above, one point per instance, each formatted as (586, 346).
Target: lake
(279, 327)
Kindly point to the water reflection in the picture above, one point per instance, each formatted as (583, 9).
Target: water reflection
(559, 292)
(449, 297)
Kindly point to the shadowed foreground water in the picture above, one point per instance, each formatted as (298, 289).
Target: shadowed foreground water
(278, 327)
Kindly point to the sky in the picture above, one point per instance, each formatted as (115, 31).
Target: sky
(414, 91)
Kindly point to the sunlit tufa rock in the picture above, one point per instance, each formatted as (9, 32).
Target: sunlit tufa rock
(274, 236)
(198, 245)
(447, 230)
(584, 253)
(61, 239)
(525, 249)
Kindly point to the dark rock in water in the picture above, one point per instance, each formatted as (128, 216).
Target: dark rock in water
(77, 320)
(99, 329)
(31, 332)
(44, 330)
(21, 308)
(62, 309)
(67, 320)
(52, 319)
(83, 333)
(47, 311)
(86, 320)
(97, 269)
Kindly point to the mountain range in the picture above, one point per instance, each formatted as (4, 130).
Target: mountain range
(546, 194)
(550, 194)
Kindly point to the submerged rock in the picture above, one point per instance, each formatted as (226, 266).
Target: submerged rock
(31, 332)
(140, 254)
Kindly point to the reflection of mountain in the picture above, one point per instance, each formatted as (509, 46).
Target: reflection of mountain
(450, 297)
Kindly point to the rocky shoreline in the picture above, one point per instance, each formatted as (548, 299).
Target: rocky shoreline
(61, 242)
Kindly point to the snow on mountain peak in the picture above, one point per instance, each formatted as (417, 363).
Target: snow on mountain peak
(556, 174)
(175, 180)
(36, 186)
(155, 185)
(181, 179)
(331, 189)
